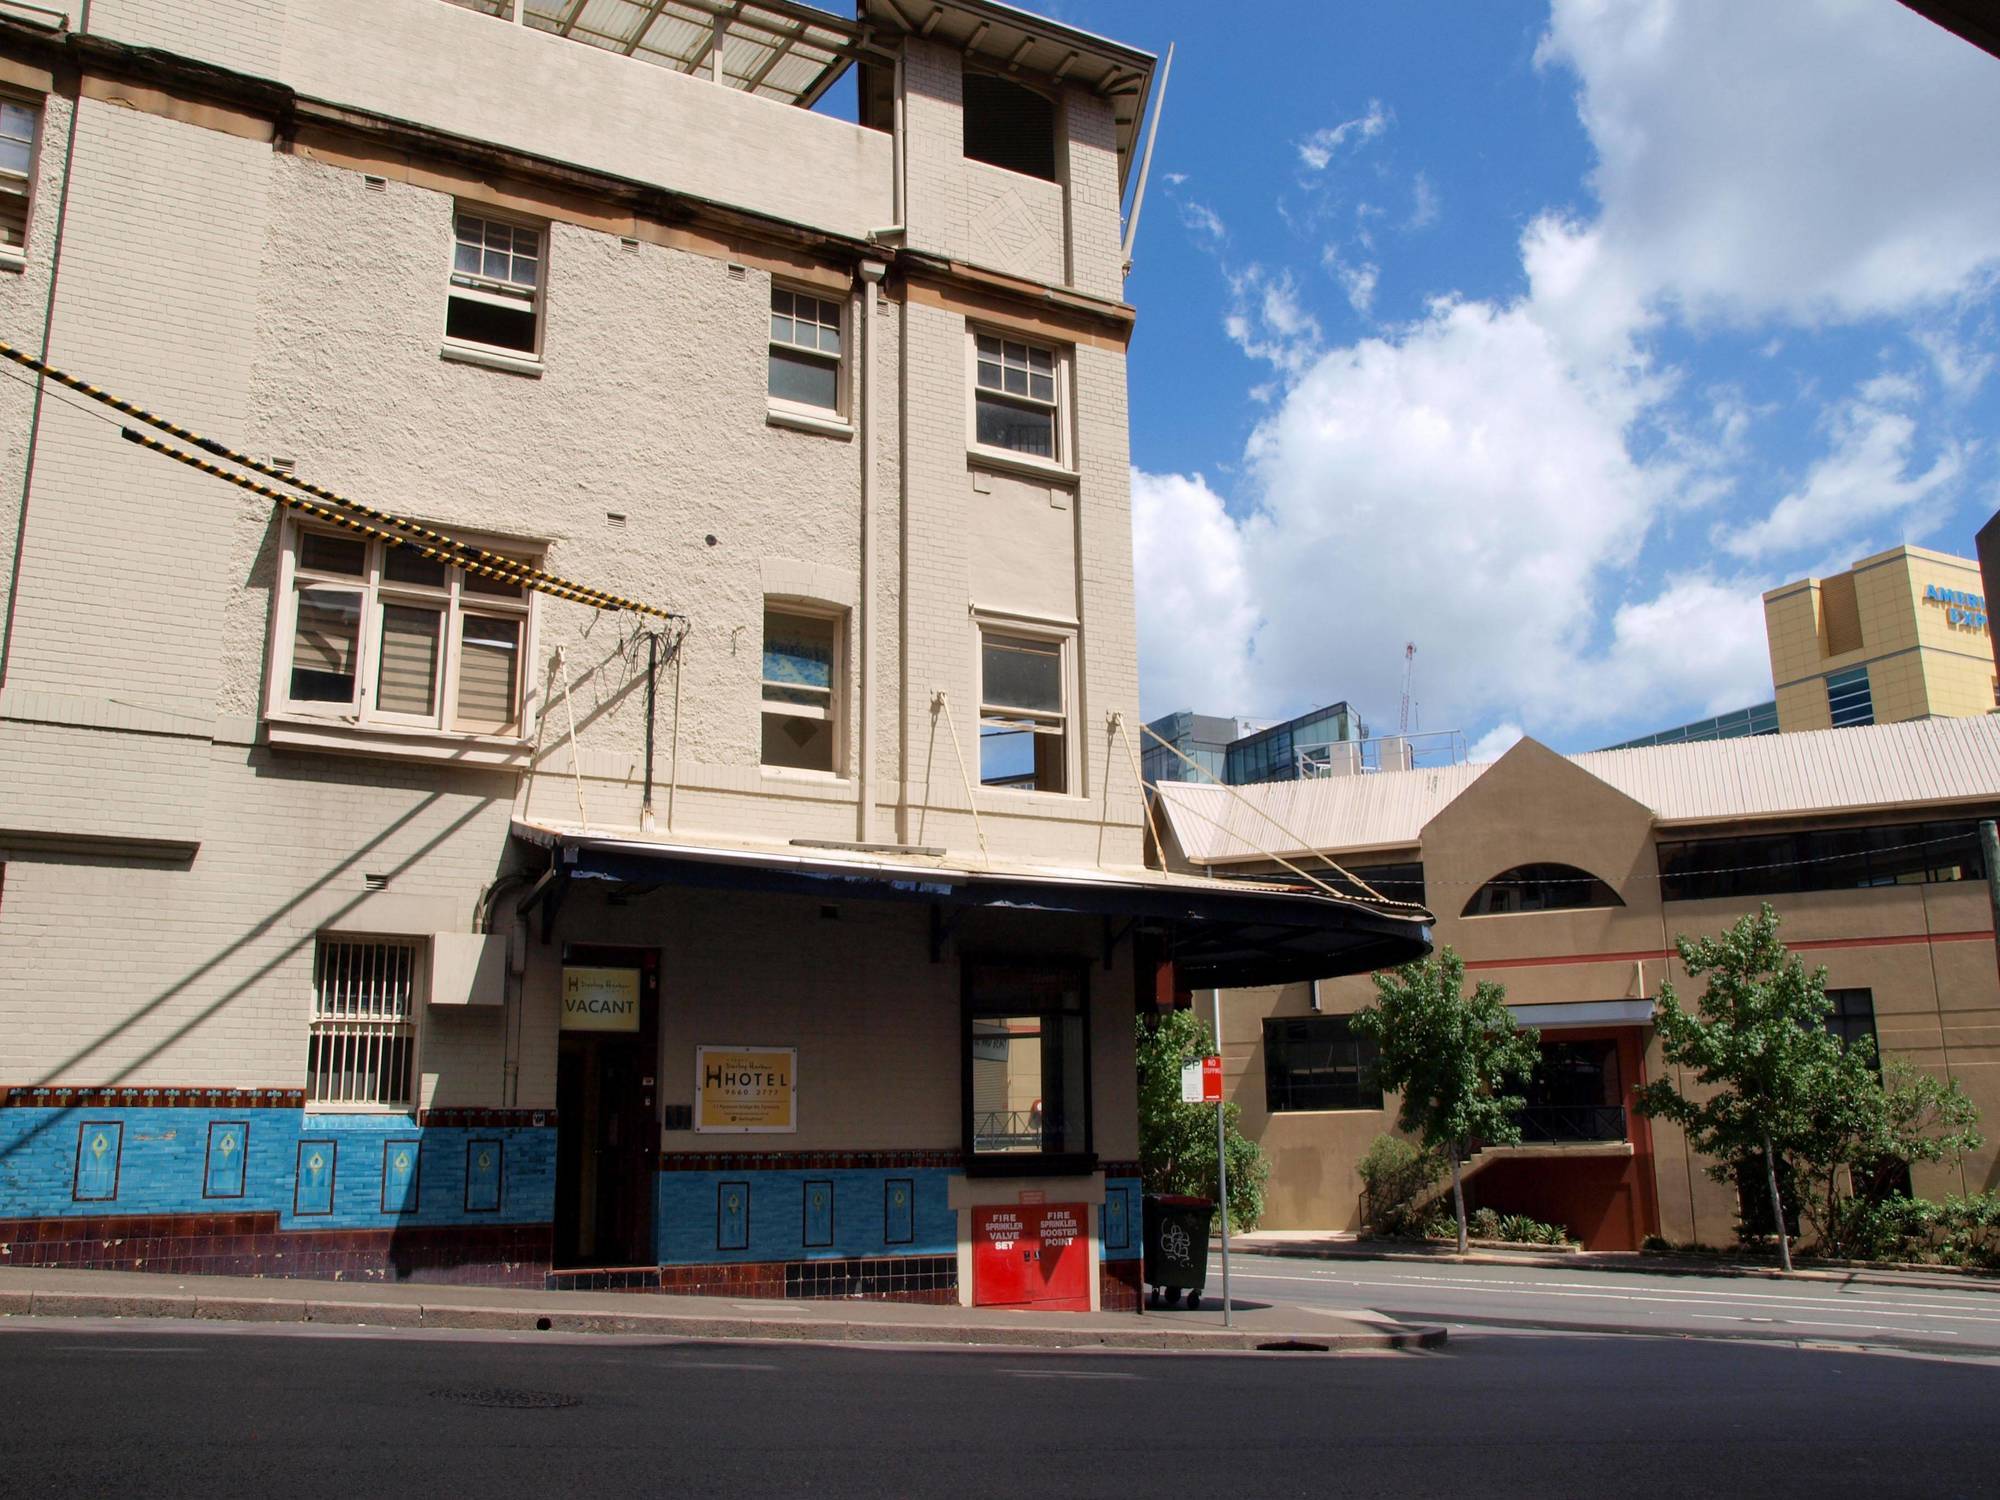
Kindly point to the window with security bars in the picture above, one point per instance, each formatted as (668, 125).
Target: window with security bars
(496, 284)
(364, 1035)
(805, 350)
(382, 635)
(18, 120)
(1317, 1063)
(1017, 397)
(1848, 698)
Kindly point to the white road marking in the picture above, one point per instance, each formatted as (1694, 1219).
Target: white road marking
(1959, 1311)
(1825, 1323)
(718, 1364)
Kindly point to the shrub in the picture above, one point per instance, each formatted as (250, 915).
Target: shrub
(1490, 1224)
(1952, 1232)
(1396, 1174)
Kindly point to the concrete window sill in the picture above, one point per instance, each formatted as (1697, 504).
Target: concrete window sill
(491, 359)
(805, 421)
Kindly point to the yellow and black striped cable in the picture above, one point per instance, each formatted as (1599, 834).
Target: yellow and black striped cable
(393, 529)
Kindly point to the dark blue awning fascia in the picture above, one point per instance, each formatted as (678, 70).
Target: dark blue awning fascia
(1227, 939)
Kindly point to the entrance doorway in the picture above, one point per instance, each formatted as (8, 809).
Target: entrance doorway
(607, 1157)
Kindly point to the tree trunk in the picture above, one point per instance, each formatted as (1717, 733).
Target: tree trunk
(1458, 1195)
(1777, 1206)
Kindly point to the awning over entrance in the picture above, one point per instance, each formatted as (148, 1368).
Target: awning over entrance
(1556, 1017)
(1224, 934)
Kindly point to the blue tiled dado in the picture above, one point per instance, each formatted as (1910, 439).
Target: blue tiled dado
(737, 1215)
(314, 1171)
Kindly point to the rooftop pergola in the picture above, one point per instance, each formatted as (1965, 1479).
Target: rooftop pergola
(794, 53)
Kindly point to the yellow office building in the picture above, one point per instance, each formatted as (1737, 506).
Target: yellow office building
(1900, 635)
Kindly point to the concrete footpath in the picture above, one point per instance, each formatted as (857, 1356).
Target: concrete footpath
(51, 1293)
(1335, 1244)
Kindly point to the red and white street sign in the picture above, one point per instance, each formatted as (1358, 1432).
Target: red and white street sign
(1201, 1081)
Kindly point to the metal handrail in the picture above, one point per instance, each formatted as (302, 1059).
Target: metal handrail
(1556, 1123)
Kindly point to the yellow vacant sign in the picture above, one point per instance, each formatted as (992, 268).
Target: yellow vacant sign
(600, 1000)
(746, 1089)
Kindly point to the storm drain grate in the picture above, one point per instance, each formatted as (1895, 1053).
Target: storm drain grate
(506, 1398)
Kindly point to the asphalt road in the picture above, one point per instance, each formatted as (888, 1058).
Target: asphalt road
(184, 1410)
(1475, 1296)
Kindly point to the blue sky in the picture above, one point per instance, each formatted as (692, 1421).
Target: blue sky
(1546, 336)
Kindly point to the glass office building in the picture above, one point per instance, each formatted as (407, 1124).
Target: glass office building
(1240, 752)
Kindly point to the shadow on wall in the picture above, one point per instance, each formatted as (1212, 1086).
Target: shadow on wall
(257, 930)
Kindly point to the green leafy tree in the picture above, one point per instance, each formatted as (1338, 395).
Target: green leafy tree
(1177, 1140)
(1456, 1059)
(1866, 1130)
(1766, 1071)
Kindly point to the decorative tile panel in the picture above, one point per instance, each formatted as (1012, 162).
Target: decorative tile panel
(227, 1164)
(401, 1162)
(99, 1145)
(899, 1211)
(732, 1216)
(485, 1169)
(819, 1214)
(312, 1190)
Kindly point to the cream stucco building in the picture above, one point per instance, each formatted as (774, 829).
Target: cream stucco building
(664, 810)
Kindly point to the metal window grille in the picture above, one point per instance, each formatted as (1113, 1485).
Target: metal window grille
(364, 1042)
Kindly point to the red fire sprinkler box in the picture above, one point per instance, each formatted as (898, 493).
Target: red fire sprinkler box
(1032, 1255)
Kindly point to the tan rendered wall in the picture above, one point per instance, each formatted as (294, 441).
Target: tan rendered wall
(1925, 951)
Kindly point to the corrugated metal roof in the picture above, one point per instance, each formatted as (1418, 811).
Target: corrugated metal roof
(1769, 776)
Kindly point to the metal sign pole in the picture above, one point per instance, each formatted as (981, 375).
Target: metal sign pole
(1222, 1167)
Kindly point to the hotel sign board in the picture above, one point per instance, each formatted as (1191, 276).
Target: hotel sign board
(746, 1090)
(600, 999)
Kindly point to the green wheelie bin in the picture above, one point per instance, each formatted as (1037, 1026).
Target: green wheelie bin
(1177, 1248)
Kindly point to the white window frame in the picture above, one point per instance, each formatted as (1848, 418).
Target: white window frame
(835, 710)
(1063, 637)
(477, 287)
(19, 188)
(363, 1030)
(836, 413)
(1061, 462)
(453, 600)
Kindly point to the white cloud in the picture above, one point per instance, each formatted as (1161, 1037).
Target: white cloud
(1961, 370)
(1203, 219)
(1356, 281)
(1200, 612)
(1823, 159)
(1318, 149)
(1698, 643)
(1495, 743)
(1423, 204)
(1864, 478)
(1457, 486)
(1267, 320)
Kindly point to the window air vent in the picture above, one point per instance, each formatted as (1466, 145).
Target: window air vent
(375, 882)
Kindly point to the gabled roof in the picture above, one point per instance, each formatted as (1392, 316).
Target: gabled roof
(1927, 762)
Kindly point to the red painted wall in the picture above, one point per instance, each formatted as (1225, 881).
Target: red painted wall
(1607, 1202)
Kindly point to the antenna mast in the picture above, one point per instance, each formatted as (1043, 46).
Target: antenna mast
(1409, 669)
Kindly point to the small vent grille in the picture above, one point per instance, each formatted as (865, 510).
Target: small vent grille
(375, 882)
(628, 242)
(374, 184)
(736, 272)
(615, 519)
